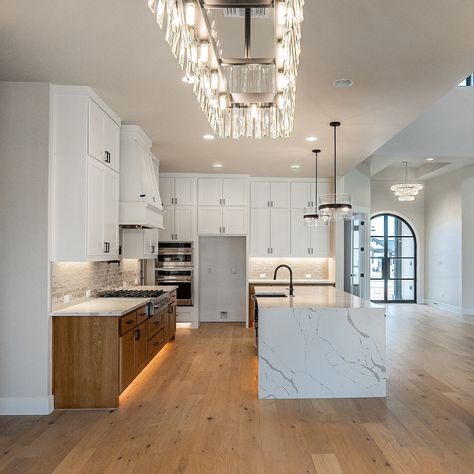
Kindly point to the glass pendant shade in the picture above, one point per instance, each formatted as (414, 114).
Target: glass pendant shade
(311, 217)
(335, 206)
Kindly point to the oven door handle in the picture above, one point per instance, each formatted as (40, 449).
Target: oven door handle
(174, 281)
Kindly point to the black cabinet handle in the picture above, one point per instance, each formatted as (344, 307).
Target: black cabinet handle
(170, 309)
(152, 249)
(106, 247)
(107, 157)
(137, 334)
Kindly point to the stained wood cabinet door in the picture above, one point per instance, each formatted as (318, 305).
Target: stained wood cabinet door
(171, 321)
(127, 360)
(141, 353)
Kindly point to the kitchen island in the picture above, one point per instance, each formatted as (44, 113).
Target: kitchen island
(320, 343)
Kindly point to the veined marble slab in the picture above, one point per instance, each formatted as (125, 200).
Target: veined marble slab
(321, 352)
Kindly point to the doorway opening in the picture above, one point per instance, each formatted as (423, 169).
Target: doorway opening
(392, 260)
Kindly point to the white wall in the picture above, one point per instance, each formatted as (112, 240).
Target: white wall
(383, 200)
(25, 341)
(468, 240)
(443, 255)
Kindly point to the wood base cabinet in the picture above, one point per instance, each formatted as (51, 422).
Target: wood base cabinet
(95, 358)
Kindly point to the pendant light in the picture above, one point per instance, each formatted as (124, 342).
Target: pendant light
(335, 206)
(407, 190)
(311, 217)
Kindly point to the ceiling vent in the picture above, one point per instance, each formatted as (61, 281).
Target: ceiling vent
(240, 13)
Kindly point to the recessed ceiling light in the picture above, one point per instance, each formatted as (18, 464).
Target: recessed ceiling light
(311, 139)
(189, 79)
(295, 167)
(343, 83)
(208, 137)
(430, 158)
(217, 165)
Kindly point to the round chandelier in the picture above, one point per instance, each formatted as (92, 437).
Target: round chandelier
(334, 206)
(311, 216)
(407, 190)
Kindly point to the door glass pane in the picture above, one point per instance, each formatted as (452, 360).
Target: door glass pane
(400, 247)
(376, 246)
(376, 266)
(377, 290)
(400, 290)
(377, 226)
(402, 268)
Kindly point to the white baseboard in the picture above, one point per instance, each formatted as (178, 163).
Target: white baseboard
(27, 405)
(444, 306)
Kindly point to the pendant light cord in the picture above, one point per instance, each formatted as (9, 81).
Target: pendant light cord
(335, 167)
(316, 187)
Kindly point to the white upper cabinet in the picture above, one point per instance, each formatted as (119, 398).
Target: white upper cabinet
(320, 241)
(222, 192)
(280, 232)
(260, 232)
(179, 191)
(167, 233)
(85, 181)
(235, 192)
(300, 195)
(209, 220)
(235, 220)
(178, 223)
(270, 194)
(209, 192)
(308, 241)
(260, 194)
(185, 191)
(140, 243)
(104, 137)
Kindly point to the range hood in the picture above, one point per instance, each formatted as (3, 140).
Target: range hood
(140, 202)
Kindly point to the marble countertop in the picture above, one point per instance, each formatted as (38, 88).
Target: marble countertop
(102, 307)
(283, 281)
(310, 297)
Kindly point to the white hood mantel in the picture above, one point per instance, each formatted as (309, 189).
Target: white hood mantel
(140, 201)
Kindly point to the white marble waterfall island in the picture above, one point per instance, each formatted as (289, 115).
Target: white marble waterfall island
(321, 343)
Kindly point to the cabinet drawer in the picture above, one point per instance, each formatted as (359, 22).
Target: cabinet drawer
(155, 323)
(128, 322)
(155, 344)
(142, 314)
(173, 296)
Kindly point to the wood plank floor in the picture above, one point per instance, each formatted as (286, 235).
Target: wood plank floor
(195, 410)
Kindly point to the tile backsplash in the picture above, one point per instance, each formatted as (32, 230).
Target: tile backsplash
(74, 279)
(318, 268)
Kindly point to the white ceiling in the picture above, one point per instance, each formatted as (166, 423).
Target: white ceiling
(402, 56)
(444, 132)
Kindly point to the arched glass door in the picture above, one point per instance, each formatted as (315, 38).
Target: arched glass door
(392, 260)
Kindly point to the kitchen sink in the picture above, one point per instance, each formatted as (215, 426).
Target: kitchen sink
(271, 295)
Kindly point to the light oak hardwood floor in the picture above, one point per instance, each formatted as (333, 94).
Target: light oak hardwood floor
(195, 410)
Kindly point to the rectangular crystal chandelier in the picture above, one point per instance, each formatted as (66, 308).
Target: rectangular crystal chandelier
(241, 97)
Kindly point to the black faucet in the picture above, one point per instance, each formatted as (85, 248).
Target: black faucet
(291, 277)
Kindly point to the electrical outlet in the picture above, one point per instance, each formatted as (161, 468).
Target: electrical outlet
(88, 293)
(67, 298)
(233, 271)
(136, 281)
(308, 275)
(263, 275)
(124, 284)
(224, 315)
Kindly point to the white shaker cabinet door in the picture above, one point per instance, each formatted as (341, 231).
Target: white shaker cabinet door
(259, 232)
(280, 194)
(300, 195)
(320, 241)
(184, 191)
(209, 220)
(166, 234)
(260, 194)
(184, 223)
(96, 146)
(112, 143)
(111, 211)
(234, 220)
(280, 233)
(166, 191)
(323, 188)
(209, 192)
(150, 243)
(300, 242)
(95, 208)
(235, 192)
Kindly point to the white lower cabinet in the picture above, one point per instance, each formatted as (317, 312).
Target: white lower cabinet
(140, 243)
(270, 232)
(218, 220)
(308, 241)
(178, 223)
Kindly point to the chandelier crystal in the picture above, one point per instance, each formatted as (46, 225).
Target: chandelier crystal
(335, 206)
(407, 190)
(244, 97)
